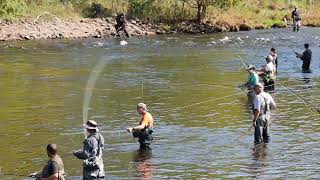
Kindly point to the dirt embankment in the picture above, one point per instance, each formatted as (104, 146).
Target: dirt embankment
(24, 29)
(55, 29)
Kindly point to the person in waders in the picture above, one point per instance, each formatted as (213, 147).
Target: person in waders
(296, 19)
(306, 57)
(253, 79)
(54, 169)
(262, 104)
(274, 55)
(121, 24)
(268, 74)
(92, 151)
(145, 128)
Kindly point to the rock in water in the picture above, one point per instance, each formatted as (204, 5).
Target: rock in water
(225, 39)
(123, 43)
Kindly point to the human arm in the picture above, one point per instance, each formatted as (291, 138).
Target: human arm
(256, 113)
(256, 110)
(52, 171)
(137, 128)
(85, 152)
(35, 174)
(298, 55)
(146, 121)
(52, 177)
(273, 105)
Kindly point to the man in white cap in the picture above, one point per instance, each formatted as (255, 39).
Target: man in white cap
(268, 74)
(91, 153)
(253, 79)
(262, 104)
(145, 128)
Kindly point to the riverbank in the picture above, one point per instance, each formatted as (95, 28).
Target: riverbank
(24, 29)
(96, 19)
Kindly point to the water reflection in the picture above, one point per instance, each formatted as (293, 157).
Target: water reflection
(142, 164)
(259, 157)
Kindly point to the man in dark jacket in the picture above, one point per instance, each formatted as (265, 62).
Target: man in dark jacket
(91, 153)
(306, 58)
(121, 24)
(296, 18)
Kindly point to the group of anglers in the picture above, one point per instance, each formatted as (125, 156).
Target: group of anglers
(261, 101)
(92, 151)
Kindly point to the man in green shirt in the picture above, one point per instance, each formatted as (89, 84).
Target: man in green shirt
(253, 79)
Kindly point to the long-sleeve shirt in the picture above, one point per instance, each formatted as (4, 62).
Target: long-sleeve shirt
(306, 58)
(295, 14)
(92, 152)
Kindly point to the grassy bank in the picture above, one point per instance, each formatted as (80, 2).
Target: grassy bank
(255, 13)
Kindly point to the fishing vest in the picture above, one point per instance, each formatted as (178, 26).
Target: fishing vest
(264, 109)
(95, 160)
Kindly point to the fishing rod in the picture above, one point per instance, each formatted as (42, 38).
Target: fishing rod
(306, 103)
(244, 62)
(243, 133)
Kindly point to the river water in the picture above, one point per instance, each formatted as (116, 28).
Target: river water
(190, 84)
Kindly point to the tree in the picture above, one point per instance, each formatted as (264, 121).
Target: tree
(202, 5)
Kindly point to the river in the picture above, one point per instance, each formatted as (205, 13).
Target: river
(190, 84)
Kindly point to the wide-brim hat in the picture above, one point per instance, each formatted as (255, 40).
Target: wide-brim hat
(142, 105)
(91, 124)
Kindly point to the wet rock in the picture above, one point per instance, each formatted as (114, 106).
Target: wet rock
(25, 37)
(108, 20)
(160, 32)
(244, 27)
(279, 25)
(234, 28)
(259, 27)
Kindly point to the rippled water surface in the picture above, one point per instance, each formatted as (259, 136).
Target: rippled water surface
(189, 82)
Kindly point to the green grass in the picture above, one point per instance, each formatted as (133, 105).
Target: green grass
(252, 12)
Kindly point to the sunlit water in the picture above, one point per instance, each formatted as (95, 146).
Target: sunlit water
(190, 84)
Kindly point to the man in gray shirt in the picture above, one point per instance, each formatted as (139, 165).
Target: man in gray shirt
(91, 153)
(54, 168)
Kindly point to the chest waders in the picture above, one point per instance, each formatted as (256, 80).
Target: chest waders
(145, 137)
(261, 131)
(268, 82)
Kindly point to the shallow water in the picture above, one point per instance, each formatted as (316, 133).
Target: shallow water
(189, 83)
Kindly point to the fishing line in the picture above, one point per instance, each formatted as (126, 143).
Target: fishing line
(90, 85)
(202, 102)
(299, 97)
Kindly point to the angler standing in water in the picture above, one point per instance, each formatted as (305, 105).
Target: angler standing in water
(253, 79)
(296, 19)
(262, 104)
(268, 74)
(121, 24)
(306, 57)
(91, 153)
(54, 168)
(145, 128)
(274, 55)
